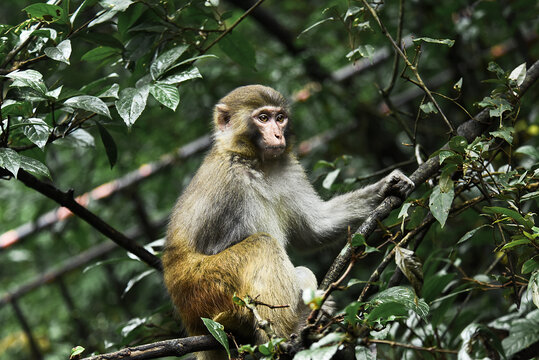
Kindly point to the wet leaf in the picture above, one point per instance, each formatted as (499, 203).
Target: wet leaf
(131, 104)
(440, 204)
(217, 331)
(89, 103)
(61, 53)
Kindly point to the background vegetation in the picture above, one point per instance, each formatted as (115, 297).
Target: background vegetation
(106, 92)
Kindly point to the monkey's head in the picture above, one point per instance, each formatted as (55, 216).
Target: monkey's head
(253, 120)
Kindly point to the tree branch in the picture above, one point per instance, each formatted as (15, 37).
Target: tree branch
(172, 347)
(470, 130)
(66, 199)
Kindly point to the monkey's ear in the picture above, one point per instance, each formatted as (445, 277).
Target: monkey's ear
(222, 116)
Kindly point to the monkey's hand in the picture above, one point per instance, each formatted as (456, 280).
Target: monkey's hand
(397, 184)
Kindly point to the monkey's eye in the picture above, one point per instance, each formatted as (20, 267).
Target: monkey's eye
(280, 118)
(263, 117)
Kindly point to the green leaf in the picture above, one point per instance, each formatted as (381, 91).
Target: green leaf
(238, 49)
(440, 204)
(447, 42)
(470, 233)
(28, 78)
(505, 133)
(351, 311)
(132, 282)
(330, 179)
(190, 74)
(132, 324)
(405, 296)
(77, 351)
(111, 8)
(514, 243)
(38, 132)
(61, 53)
(358, 240)
(131, 104)
(112, 91)
(17, 108)
(528, 150)
(34, 166)
(515, 215)
(76, 13)
(128, 18)
(217, 331)
(353, 10)
(522, 334)
(323, 163)
(518, 74)
(446, 182)
(363, 353)
(164, 61)
(46, 12)
(101, 53)
(167, 95)
(318, 23)
(458, 143)
(533, 287)
(366, 51)
(55, 94)
(330, 338)
(323, 353)
(403, 213)
(530, 265)
(388, 311)
(428, 108)
(434, 285)
(478, 333)
(79, 138)
(10, 160)
(109, 144)
(495, 68)
(458, 85)
(89, 103)
(445, 154)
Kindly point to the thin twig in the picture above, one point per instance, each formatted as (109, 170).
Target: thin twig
(412, 67)
(236, 23)
(431, 349)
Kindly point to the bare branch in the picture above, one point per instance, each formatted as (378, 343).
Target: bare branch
(66, 199)
(173, 347)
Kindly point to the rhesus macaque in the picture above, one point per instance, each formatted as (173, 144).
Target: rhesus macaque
(250, 199)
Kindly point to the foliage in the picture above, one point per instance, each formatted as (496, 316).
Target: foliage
(94, 89)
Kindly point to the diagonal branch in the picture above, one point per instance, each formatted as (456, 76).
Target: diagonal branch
(470, 130)
(66, 199)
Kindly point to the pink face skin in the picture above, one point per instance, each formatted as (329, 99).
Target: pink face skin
(271, 121)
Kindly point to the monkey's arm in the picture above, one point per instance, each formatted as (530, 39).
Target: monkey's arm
(323, 221)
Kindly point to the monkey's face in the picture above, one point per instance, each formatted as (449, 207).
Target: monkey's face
(271, 123)
(252, 120)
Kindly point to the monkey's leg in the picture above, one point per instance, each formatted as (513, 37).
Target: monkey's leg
(267, 275)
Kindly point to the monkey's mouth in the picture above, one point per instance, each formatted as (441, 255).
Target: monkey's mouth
(274, 150)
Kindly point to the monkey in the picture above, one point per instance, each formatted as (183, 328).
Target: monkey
(250, 198)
